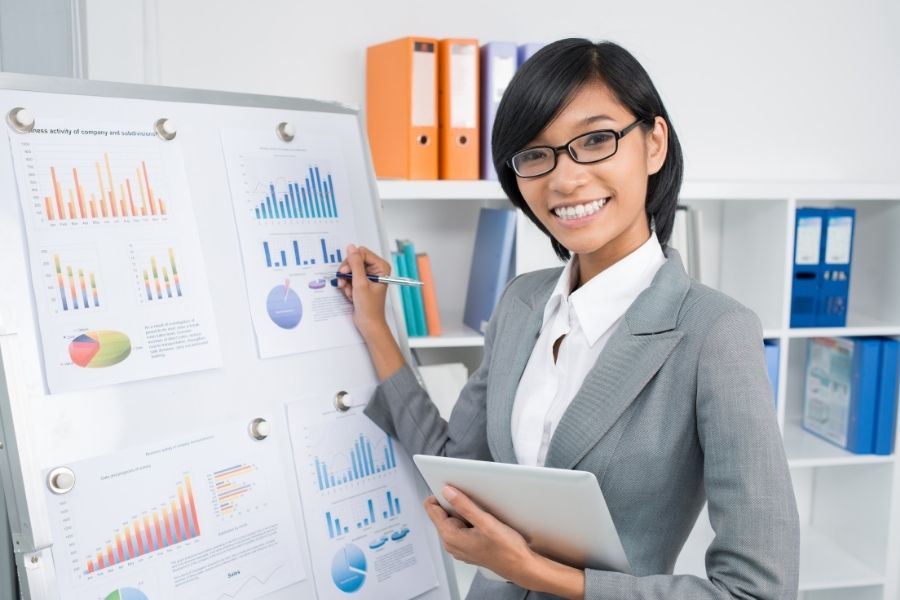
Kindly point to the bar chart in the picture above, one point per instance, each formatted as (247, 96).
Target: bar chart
(308, 200)
(233, 488)
(74, 281)
(168, 524)
(157, 272)
(304, 252)
(364, 461)
(364, 515)
(90, 184)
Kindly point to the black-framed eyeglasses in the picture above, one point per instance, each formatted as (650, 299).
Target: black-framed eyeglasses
(589, 147)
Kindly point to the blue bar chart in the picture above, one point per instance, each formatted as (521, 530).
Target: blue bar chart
(311, 199)
(300, 253)
(362, 463)
(389, 507)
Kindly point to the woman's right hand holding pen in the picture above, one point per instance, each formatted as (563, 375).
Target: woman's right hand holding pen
(368, 300)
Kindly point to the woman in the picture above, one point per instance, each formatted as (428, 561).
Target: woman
(617, 364)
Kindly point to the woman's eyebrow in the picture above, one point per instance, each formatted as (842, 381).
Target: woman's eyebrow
(594, 119)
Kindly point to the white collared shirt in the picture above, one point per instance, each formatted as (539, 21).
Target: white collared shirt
(587, 318)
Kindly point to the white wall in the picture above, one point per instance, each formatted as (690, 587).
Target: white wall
(807, 89)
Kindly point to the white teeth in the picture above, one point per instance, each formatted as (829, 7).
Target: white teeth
(575, 212)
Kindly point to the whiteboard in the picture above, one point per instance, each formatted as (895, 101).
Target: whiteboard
(195, 421)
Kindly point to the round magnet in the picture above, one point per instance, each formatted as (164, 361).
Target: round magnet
(342, 401)
(286, 131)
(165, 128)
(20, 119)
(260, 429)
(61, 480)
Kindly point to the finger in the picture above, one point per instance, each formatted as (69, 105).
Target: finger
(357, 265)
(435, 512)
(375, 265)
(467, 509)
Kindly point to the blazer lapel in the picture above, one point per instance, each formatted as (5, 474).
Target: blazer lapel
(624, 367)
(512, 349)
(632, 356)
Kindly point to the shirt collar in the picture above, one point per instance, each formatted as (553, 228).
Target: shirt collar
(602, 300)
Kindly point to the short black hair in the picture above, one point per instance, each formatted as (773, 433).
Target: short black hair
(541, 89)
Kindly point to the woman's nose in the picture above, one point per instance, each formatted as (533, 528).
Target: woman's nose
(568, 175)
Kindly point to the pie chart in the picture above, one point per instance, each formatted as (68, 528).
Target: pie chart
(348, 569)
(98, 349)
(127, 594)
(284, 307)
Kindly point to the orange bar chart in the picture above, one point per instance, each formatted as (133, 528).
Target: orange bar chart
(172, 522)
(231, 485)
(108, 197)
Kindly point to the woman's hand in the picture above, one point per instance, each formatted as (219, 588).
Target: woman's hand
(488, 542)
(368, 308)
(367, 297)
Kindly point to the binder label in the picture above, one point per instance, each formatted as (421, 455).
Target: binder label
(424, 100)
(504, 69)
(837, 241)
(463, 79)
(809, 235)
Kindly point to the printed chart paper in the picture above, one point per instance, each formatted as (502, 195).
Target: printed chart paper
(294, 219)
(202, 517)
(364, 521)
(119, 283)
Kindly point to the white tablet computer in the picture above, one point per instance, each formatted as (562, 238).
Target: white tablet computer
(562, 513)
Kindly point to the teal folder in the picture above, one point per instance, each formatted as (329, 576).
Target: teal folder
(400, 269)
(408, 249)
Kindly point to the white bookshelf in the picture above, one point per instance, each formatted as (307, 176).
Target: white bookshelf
(849, 504)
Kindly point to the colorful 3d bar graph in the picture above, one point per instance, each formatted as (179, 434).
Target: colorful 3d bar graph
(157, 283)
(172, 523)
(82, 283)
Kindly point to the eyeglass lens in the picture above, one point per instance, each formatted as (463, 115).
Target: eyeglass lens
(590, 147)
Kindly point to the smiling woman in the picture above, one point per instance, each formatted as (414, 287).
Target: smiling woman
(618, 363)
(604, 87)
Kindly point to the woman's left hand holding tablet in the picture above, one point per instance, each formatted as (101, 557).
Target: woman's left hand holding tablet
(482, 539)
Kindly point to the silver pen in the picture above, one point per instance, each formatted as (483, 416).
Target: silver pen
(384, 279)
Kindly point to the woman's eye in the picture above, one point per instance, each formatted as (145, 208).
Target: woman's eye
(594, 139)
(532, 156)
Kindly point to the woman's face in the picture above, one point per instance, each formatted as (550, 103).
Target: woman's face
(607, 196)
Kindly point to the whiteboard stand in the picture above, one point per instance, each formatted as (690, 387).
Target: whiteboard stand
(7, 558)
(33, 561)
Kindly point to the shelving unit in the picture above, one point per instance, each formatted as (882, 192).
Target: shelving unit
(849, 504)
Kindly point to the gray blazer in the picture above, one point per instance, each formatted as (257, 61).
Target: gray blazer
(678, 410)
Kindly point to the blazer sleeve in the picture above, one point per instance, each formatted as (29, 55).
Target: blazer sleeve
(403, 409)
(755, 551)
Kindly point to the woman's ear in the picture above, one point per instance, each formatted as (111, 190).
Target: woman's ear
(657, 145)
